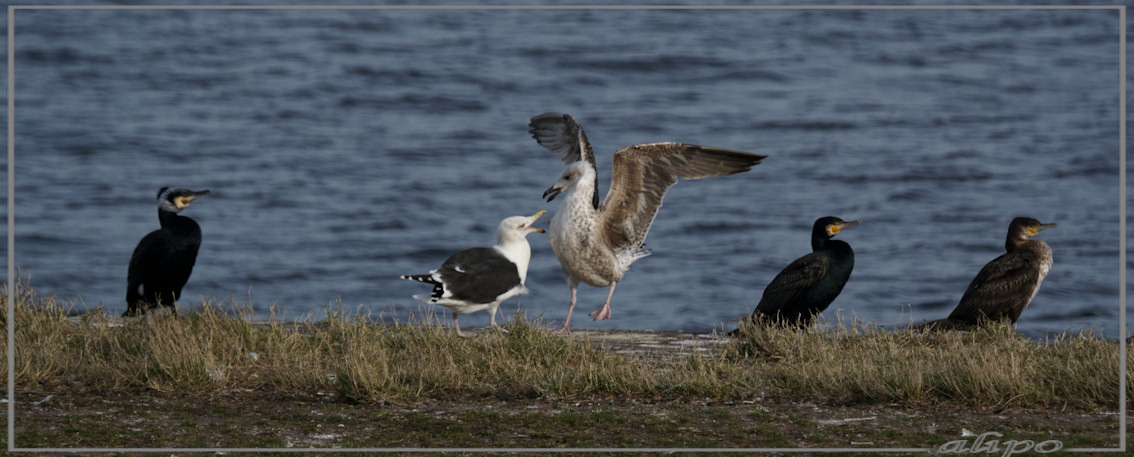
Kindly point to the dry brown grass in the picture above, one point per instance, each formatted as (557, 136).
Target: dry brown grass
(220, 347)
(991, 366)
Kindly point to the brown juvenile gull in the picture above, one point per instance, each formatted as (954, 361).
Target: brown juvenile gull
(478, 279)
(1007, 284)
(597, 243)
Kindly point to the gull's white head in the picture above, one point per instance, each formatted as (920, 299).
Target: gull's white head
(516, 228)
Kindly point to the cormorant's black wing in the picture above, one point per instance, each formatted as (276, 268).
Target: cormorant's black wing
(1002, 288)
(790, 286)
(479, 275)
(148, 255)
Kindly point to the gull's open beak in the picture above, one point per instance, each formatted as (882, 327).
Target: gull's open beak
(551, 192)
(535, 217)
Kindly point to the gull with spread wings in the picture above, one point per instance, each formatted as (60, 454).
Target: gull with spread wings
(596, 243)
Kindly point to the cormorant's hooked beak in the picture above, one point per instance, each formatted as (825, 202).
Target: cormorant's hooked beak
(836, 228)
(1039, 228)
(184, 200)
(551, 192)
(535, 217)
(197, 195)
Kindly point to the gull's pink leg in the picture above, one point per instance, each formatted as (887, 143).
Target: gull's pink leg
(458, 327)
(604, 312)
(495, 325)
(567, 323)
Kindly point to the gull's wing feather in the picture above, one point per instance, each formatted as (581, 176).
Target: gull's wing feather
(642, 173)
(561, 134)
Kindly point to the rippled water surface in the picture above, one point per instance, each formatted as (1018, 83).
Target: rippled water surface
(345, 148)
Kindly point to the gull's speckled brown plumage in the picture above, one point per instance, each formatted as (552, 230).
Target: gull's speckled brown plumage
(597, 243)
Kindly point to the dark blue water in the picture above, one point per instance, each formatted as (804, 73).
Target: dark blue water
(345, 148)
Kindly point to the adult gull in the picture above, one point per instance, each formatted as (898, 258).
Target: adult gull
(478, 279)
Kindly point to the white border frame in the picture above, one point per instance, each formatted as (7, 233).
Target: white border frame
(1122, 330)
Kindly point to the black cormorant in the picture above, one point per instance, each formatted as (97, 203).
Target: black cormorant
(164, 258)
(1006, 285)
(809, 284)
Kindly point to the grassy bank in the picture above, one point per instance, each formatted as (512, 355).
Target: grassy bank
(219, 348)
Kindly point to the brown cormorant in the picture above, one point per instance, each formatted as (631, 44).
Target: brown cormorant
(808, 285)
(1006, 285)
(481, 278)
(163, 259)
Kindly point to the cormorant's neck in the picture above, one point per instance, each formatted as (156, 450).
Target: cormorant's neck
(819, 241)
(1015, 241)
(173, 221)
(828, 244)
